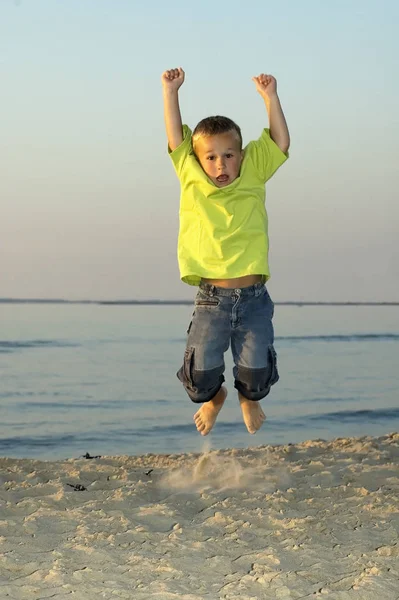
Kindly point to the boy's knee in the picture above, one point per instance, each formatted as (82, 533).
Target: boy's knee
(201, 386)
(255, 384)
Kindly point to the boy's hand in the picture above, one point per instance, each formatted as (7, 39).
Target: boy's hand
(266, 85)
(172, 79)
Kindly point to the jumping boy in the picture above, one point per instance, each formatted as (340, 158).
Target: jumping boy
(223, 249)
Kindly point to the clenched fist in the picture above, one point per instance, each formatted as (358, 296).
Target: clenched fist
(172, 79)
(265, 84)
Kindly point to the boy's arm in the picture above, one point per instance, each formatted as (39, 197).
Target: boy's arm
(171, 82)
(266, 85)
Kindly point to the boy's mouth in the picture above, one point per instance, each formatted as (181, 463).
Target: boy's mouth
(222, 178)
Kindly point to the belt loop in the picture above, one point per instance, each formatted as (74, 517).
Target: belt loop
(212, 290)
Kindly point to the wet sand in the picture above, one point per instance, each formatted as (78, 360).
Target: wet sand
(316, 519)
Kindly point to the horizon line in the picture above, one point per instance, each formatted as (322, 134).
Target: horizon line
(154, 301)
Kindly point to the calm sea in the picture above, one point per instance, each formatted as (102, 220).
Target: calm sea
(101, 379)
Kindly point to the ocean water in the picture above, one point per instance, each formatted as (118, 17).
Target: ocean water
(78, 378)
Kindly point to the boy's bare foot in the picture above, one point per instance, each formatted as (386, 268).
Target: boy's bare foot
(252, 413)
(205, 417)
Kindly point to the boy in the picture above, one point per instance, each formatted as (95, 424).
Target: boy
(223, 248)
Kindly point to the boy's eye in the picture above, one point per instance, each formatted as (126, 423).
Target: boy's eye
(210, 157)
(229, 155)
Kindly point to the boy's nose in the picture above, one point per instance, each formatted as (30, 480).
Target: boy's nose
(220, 163)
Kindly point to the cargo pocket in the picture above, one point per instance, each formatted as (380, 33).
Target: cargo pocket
(274, 376)
(188, 367)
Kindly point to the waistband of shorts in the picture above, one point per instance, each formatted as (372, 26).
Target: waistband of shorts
(213, 290)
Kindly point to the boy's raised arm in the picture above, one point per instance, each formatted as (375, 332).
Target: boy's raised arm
(171, 82)
(267, 88)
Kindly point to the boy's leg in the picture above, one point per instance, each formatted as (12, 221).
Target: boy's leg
(205, 417)
(203, 367)
(254, 356)
(252, 413)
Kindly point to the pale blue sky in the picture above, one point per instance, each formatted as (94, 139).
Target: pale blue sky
(89, 199)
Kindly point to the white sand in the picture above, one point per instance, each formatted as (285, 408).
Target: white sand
(312, 520)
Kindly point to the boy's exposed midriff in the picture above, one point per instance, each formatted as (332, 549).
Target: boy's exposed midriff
(237, 282)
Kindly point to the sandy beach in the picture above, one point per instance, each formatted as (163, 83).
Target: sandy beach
(299, 521)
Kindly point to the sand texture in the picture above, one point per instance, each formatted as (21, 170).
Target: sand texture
(312, 520)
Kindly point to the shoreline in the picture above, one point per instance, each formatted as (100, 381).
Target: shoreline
(290, 521)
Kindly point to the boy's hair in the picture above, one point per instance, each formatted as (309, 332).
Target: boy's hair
(214, 126)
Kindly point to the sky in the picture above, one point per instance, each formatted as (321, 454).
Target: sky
(88, 196)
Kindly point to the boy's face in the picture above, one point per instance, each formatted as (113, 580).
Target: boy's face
(220, 156)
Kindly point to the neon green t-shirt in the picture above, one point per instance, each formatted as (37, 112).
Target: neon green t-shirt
(223, 232)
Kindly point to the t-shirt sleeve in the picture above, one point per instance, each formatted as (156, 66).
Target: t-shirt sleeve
(180, 154)
(266, 156)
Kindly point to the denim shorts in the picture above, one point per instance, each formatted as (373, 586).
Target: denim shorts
(241, 317)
